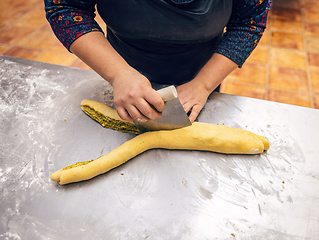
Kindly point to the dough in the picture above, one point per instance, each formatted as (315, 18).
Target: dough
(107, 117)
(199, 136)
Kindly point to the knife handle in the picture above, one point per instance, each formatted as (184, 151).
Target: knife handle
(168, 93)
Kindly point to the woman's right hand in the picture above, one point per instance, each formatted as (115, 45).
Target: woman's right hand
(133, 95)
(133, 92)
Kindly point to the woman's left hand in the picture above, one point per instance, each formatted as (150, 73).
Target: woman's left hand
(193, 97)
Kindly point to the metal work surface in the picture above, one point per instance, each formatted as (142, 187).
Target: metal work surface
(160, 194)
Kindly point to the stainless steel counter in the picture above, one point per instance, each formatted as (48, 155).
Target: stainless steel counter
(160, 194)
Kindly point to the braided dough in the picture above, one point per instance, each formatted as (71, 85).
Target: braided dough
(199, 136)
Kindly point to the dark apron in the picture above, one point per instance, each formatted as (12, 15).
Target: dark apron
(165, 41)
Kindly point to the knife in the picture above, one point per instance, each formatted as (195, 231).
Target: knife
(173, 115)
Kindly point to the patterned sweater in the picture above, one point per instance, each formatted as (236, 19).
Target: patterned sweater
(71, 19)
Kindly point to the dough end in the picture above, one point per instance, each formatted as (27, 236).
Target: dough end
(56, 175)
(265, 142)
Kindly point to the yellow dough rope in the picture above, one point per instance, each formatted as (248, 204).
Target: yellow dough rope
(199, 136)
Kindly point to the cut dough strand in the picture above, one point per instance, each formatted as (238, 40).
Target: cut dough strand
(199, 136)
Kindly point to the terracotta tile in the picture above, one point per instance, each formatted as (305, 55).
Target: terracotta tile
(13, 10)
(32, 19)
(260, 54)
(288, 78)
(46, 27)
(309, 1)
(12, 34)
(312, 29)
(36, 4)
(4, 47)
(286, 13)
(245, 90)
(265, 38)
(311, 5)
(287, 26)
(16, 3)
(310, 16)
(287, 58)
(314, 76)
(289, 97)
(39, 39)
(288, 40)
(250, 73)
(316, 101)
(293, 4)
(312, 44)
(7, 3)
(57, 58)
(22, 52)
(58, 47)
(29, 5)
(80, 64)
(313, 59)
(223, 86)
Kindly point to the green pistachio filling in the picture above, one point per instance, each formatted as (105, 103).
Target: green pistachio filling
(76, 165)
(108, 122)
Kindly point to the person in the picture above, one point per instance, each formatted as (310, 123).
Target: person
(193, 44)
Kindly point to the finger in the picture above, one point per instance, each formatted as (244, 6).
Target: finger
(124, 114)
(136, 114)
(147, 111)
(187, 107)
(194, 113)
(153, 98)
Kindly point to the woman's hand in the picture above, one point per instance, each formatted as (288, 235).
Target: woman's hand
(133, 92)
(133, 95)
(193, 97)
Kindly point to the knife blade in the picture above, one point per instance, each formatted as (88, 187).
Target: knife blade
(173, 115)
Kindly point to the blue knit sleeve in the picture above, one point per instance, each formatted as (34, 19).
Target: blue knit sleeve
(244, 29)
(70, 19)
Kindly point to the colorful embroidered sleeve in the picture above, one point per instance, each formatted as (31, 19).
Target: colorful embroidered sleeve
(244, 29)
(71, 19)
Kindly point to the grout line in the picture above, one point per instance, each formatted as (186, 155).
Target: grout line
(310, 95)
(270, 20)
(271, 88)
(74, 61)
(245, 83)
(223, 85)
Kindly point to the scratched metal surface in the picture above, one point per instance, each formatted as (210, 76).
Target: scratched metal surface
(159, 194)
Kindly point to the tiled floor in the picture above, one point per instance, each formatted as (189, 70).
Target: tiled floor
(285, 65)
(283, 68)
